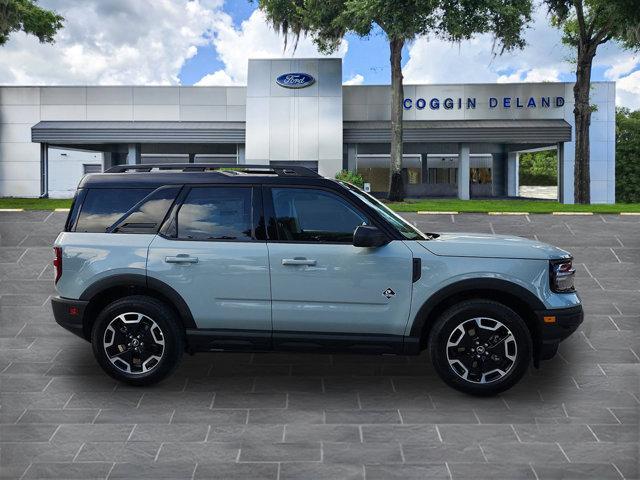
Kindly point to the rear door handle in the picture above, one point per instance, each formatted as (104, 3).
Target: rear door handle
(298, 261)
(181, 258)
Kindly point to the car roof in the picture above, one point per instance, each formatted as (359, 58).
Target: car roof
(156, 175)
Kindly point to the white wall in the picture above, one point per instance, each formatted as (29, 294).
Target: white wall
(23, 107)
(361, 103)
(66, 168)
(304, 124)
(284, 124)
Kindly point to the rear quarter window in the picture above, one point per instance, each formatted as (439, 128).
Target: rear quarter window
(102, 207)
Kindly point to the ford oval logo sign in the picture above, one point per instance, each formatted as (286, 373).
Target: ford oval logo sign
(295, 80)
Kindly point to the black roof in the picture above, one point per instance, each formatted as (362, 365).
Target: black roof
(156, 175)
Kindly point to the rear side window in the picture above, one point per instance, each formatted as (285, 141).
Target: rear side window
(216, 213)
(102, 207)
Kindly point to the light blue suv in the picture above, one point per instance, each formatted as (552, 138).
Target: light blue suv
(156, 260)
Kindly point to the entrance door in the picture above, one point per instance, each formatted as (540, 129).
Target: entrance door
(324, 289)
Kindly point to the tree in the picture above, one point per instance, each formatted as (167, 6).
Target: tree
(539, 168)
(28, 17)
(327, 21)
(587, 24)
(627, 156)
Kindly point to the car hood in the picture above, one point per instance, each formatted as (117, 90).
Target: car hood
(491, 246)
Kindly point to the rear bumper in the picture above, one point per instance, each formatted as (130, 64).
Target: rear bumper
(69, 314)
(555, 326)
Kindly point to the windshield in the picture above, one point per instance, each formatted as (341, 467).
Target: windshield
(407, 230)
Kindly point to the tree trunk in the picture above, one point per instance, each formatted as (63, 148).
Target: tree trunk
(396, 185)
(582, 115)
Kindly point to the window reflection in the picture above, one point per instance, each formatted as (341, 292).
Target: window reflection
(216, 213)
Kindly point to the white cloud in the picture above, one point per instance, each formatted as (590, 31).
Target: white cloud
(357, 79)
(435, 61)
(625, 63)
(253, 39)
(531, 75)
(115, 42)
(628, 91)
(217, 78)
(545, 58)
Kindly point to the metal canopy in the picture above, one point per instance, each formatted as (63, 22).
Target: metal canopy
(453, 131)
(88, 132)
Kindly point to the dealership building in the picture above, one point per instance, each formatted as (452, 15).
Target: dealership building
(460, 140)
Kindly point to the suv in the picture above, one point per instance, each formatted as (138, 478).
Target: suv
(159, 259)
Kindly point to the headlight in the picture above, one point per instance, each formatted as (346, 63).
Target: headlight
(562, 274)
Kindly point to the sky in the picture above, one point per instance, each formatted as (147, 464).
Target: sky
(208, 42)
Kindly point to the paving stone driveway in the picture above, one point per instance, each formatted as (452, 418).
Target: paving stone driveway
(324, 416)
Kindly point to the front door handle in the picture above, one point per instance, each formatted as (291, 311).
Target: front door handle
(298, 261)
(181, 258)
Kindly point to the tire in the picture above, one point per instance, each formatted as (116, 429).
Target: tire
(124, 326)
(487, 339)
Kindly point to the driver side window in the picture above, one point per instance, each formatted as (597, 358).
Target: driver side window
(311, 215)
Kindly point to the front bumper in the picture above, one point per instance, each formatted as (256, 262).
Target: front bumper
(556, 325)
(69, 314)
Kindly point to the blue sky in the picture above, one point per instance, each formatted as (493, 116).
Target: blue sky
(366, 56)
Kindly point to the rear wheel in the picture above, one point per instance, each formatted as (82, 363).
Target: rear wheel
(137, 340)
(480, 347)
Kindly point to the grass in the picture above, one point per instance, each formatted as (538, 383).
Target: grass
(470, 206)
(530, 206)
(35, 203)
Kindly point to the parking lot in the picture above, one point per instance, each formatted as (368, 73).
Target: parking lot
(309, 416)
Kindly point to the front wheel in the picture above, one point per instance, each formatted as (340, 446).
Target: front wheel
(137, 340)
(480, 347)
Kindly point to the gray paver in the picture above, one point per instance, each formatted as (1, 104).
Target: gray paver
(291, 415)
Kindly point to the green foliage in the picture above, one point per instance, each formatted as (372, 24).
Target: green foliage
(28, 17)
(529, 206)
(327, 21)
(539, 168)
(594, 22)
(350, 177)
(627, 155)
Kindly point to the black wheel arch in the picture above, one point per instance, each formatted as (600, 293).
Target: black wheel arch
(514, 296)
(111, 288)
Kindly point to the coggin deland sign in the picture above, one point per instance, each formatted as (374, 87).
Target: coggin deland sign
(302, 80)
(469, 103)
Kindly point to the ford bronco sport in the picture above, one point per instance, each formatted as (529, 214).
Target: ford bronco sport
(159, 259)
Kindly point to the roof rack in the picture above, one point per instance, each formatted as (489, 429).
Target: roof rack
(281, 171)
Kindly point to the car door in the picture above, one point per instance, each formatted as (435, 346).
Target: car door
(212, 255)
(324, 289)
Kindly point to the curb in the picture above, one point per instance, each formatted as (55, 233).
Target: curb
(630, 214)
(571, 213)
(507, 213)
(436, 213)
(61, 210)
(11, 209)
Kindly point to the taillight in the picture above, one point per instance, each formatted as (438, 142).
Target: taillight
(57, 262)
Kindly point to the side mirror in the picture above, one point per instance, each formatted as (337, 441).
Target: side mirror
(368, 236)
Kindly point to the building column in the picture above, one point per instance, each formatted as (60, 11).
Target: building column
(463, 171)
(424, 167)
(561, 175)
(513, 171)
(241, 153)
(352, 153)
(498, 174)
(133, 154)
(44, 170)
